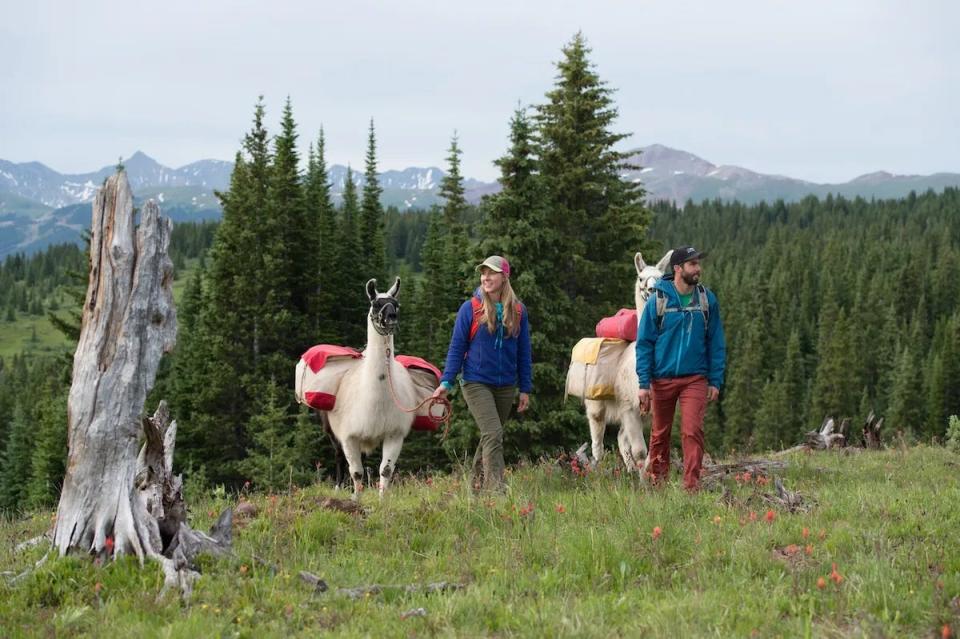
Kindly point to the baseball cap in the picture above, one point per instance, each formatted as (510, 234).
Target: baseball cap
(496, 263)
(683, 254)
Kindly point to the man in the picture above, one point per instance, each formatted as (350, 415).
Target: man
(681, 355)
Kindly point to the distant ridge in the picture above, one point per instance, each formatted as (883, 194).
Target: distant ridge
(39, 206)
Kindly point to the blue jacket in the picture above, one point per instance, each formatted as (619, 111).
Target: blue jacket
(684, 344)
(487, 359)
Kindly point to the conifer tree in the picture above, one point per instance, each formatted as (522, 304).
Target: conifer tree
(454, 208)
(17, 457)
(372, 242)
(353, 310)
(323, 216)
(427, 339)
(600, 216)
(48, 461)
(217, 360)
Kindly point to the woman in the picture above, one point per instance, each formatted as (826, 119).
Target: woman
(491, 347)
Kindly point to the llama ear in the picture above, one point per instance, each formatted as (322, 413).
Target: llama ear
(394, 289)
(639, 263)
(664, 263)
(372, 289)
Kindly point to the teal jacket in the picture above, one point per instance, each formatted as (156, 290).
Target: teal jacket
(685, 341)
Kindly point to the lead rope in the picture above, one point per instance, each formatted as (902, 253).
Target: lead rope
(436, 420)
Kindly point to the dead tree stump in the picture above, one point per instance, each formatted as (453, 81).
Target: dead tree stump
(115, 501)
(871, 432)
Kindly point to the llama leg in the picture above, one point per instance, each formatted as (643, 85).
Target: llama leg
(633, 447)
(391, 451)
(596, 415)
(351, 450)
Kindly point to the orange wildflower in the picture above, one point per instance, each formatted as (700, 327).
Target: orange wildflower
(835, 576)
(753, 516)
(561, 509)
(657, 531)
(809, 550)
(821, 583)
(945, 632)
(770, 516)
(792, 549)
(806, 532)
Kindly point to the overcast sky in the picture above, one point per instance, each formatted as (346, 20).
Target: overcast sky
(823, 91)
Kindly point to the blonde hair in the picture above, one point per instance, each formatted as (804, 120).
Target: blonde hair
(511, 310)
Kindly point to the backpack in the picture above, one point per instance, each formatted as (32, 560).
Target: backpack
(477, 306)
(704, 305)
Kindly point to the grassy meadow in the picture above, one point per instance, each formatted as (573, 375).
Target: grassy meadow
(599, 555)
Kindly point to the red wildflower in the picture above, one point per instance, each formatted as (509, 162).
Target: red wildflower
(836, 576)
(945, 632)
(746, 476)
(806, 532)
(821, 583)
(108, 544)
(657, 531)
(561, 509)
(753, 516)
(770, 516)
(792, 549)
(526, 510)
(809, 550)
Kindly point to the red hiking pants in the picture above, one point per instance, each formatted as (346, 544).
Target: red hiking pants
(692, 393)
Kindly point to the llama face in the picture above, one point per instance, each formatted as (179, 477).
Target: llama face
(646, 280)
(647, 276)
(384, 308)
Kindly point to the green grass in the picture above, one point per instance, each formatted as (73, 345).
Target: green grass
(18, 336)
(888, 520)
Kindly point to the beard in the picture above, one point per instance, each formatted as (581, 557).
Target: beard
(690, 280)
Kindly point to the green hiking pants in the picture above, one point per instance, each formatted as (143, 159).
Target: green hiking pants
(490, 407)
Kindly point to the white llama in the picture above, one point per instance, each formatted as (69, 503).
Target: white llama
(625, 409)
(367, 413)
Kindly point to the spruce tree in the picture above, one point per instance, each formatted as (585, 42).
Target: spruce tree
(353, 310)
(17, 459)
(600, 216)
(372, 243)
(216, 362)
(48, 461)
(427, 339)
(323, 218)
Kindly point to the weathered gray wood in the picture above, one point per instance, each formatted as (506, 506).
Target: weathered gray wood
(827, 436)
(109, 505)
(871, 432)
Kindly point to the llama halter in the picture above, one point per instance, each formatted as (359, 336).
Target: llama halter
(384, 314)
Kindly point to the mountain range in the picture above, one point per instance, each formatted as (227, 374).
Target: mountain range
(39, 206)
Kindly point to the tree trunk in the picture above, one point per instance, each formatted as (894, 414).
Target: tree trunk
(128, 323)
